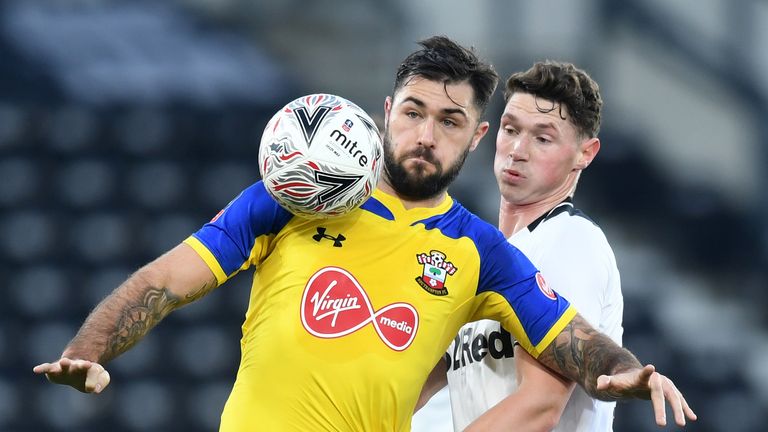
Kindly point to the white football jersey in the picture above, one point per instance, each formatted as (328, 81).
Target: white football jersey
(576, 260)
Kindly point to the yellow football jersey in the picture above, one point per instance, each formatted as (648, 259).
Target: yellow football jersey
(348, 315)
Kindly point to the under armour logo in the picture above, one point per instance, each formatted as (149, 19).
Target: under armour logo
(322, 235)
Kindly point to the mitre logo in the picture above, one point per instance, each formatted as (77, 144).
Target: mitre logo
(435, 270)
(334, 305)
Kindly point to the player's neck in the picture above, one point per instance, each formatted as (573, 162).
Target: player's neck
(514, 217)
(408, 203)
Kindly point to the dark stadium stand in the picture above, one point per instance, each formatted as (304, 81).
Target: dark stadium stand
(100, 175)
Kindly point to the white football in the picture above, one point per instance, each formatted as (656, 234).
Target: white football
(320, 156)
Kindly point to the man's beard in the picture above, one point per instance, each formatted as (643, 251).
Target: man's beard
(415, 184)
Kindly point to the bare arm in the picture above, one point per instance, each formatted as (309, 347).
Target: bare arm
(582, 354)
(609, 372)
(436, 380)
(176, 278)
(536, 405)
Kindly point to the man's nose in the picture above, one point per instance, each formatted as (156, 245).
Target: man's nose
(519, 149)
(427, 135)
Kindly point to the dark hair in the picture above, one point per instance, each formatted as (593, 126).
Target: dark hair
(565, 84)
(444, 60)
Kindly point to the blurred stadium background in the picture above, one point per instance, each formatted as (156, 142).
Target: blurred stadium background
(124, 125)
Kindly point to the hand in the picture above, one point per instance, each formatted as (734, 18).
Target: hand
(646, 383)
(84, 375)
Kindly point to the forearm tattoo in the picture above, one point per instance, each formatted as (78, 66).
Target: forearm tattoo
(137, 319)
(582, 354)
(125, 316)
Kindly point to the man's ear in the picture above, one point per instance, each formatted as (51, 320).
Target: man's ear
(480, 132)
(387, 108)
(587, 153)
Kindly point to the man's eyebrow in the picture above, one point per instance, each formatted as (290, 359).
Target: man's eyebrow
(421, 104)
(416, 101)
(536, 126)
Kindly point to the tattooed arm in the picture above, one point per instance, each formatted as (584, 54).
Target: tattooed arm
(607, 371)
(582, 354)
(127, 314)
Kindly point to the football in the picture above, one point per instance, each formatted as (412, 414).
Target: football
(320, 156)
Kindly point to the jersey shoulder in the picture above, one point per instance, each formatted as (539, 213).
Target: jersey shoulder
(572, 229)
(231, 235)
(574, 253)
(459, 222)
(254, 207)
(490, 243)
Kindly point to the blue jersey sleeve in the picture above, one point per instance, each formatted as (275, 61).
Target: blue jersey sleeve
(512, 291)
(227, 242)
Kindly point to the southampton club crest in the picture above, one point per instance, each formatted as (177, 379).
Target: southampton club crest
(436, 269)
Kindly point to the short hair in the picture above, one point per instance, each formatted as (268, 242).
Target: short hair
(443, 60)
(564, 84)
